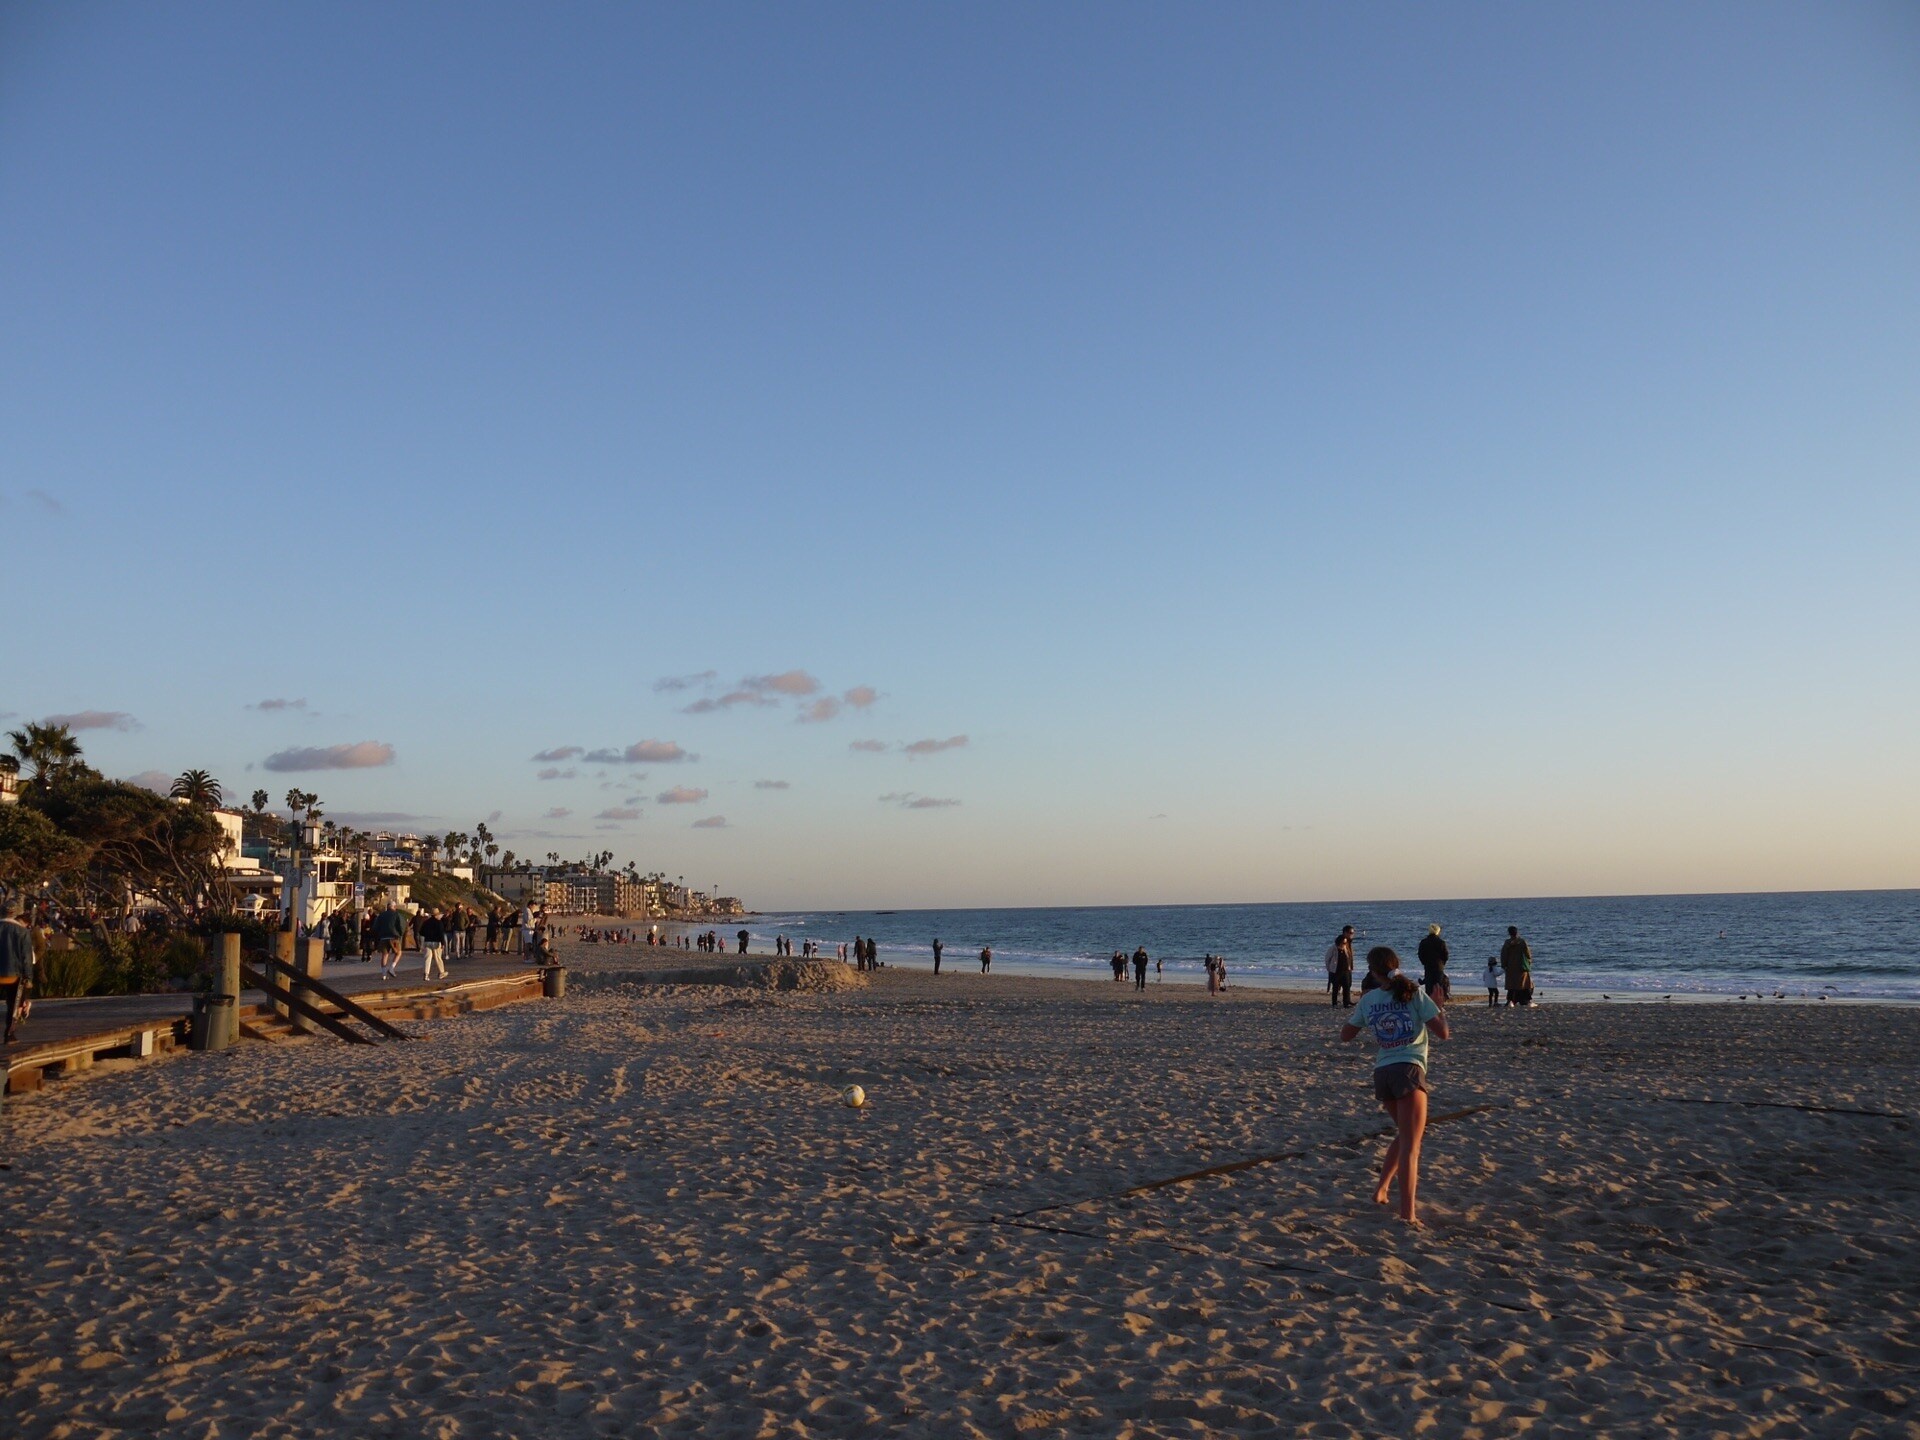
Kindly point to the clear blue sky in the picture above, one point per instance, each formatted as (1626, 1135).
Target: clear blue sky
(1308, 451)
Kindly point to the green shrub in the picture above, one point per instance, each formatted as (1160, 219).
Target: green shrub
(184, 957)
(68, 972)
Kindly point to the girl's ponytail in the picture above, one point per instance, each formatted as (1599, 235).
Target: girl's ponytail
(1401, 987)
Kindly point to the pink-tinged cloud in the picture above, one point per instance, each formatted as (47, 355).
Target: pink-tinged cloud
(558, 812)
(868, 747)
(364, 755)
(680, 795)
(559, 752)
(934, 747)
(861, 696)
(687, 682)
(825, 708)
(274, 705)
(772, 785)
(157, 781)
(907, 800)
(554, 772)
(712, 822)
(787, 682)
(732, 698)
(618, 812)
(95, 720)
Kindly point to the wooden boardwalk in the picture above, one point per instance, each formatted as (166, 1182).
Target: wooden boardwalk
(64, 1036)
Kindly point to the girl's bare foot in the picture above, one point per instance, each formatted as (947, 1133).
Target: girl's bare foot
(1380, 1192)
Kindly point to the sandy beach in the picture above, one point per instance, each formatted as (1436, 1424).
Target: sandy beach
(643, 1209)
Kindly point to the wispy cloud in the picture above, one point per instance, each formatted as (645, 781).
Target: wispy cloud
(787, 682)
(712, 822)
(868, 747)
(825, 708)
(907, 800)
(558, 812)
(934, 747)
(362, 755)
(687, 682)
(680, 795)
(559, 752)
(772, 785)
(273, 705)
(95, 720)
(641, 752)
(157, 781)
(710, 704)
(618, 812)
(861, 696)
(554, 772)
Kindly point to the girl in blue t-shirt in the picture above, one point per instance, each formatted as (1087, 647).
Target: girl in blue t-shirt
(1401, 1021)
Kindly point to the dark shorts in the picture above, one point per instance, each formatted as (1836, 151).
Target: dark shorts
(1396, 1082)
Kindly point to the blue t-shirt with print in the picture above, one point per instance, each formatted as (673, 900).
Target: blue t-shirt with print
(1398, 1027)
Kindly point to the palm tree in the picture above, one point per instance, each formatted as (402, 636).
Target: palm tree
(50, 749)
(260, 802)
(493, 850)
(197, 787)
(506, 860)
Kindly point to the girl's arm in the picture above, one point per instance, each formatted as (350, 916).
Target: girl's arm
(1349, 1033)
(1438, 1025)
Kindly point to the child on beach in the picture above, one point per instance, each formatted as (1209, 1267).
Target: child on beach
(1493, 978)
(1401, 1019)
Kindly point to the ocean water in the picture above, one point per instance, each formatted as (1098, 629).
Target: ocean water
(1845, 944)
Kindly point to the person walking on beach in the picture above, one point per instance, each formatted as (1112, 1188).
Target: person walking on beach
(1340, 968)
(1213, 975)
(1433, 966)
(1492, 978)
(1516, 960)
(433, 945)
(938, 950)
(389, 933)
(1401, 1021)
(493, 932)
(16, 964)
(986, 958)
(743, 942)
(1140, 968)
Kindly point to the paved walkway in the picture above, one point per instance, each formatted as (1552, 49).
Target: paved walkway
(59, 1021)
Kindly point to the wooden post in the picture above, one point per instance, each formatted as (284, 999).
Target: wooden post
(312, 953)
(283, 943)
(229, 983)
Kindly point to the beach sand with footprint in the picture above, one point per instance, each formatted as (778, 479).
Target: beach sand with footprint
(643, 1209)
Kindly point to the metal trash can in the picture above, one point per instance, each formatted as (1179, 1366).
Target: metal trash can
(553, 981)
(212, 1024)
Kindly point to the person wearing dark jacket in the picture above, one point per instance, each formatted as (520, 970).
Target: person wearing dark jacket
(16, 964)
(1516, 960)
(1433, 966)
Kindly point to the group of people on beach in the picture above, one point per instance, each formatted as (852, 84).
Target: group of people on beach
(1511, 970)
(1140, 961)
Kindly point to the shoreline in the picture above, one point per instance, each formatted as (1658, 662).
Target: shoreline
(1186, 977)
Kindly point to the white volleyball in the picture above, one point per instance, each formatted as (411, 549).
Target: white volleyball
(854, 1096)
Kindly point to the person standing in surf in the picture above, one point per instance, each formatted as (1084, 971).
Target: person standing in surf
(1433, 966)
(986, 958)
(1340, 968)
(1401, 1021)
(938, 951)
